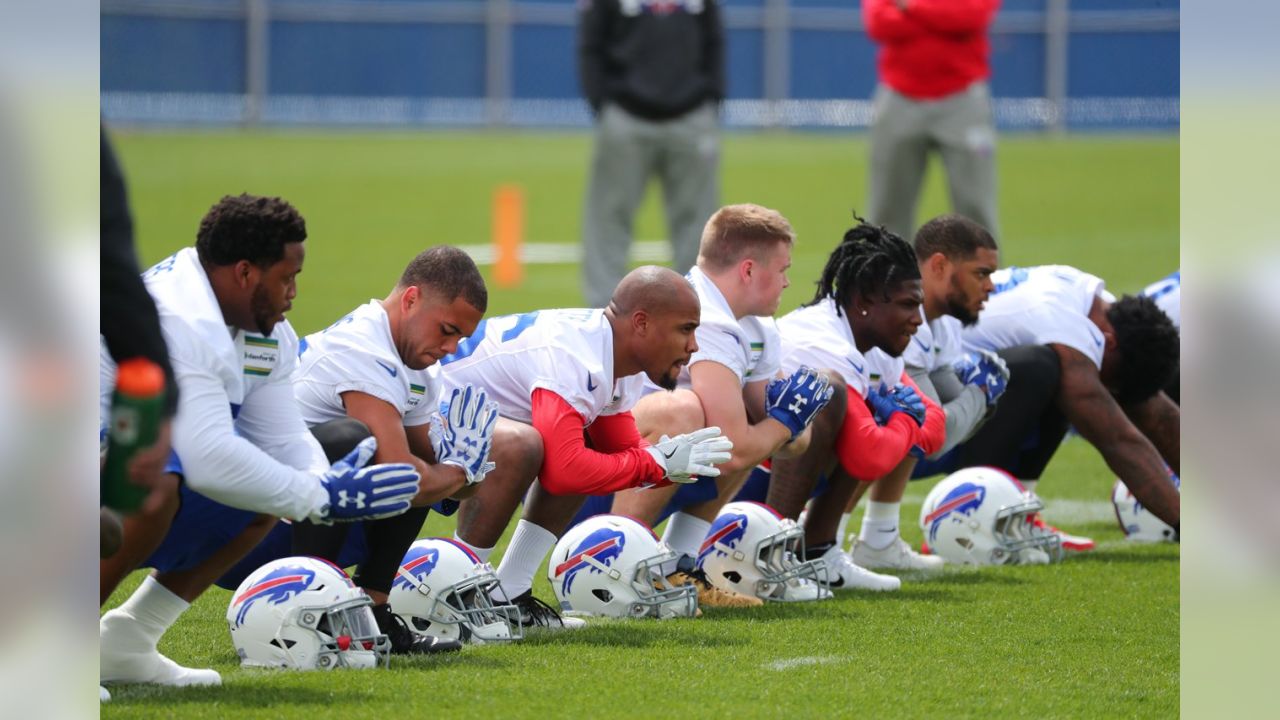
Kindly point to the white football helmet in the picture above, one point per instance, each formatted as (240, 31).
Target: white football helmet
(444, 590)
(752, 550)
(611, 565)
(1136, 521)
(981, 516)
(304, 613)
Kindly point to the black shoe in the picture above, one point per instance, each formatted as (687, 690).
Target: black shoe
(406, 642)
(535, 613)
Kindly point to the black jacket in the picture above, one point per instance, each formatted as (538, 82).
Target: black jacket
(128, 320)
(657, 59)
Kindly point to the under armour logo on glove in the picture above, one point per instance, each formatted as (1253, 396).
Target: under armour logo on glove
(345, 501)
(357, 492)
(467, 435)
(795, 400)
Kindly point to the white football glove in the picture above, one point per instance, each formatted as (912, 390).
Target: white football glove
(684, 457)
(467, 433)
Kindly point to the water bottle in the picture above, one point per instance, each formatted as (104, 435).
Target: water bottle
(136, 410)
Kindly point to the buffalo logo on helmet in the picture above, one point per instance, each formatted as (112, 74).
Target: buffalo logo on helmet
(603, 546)
(965, 499)
(418, 563)
(275, 587)
(727, 530)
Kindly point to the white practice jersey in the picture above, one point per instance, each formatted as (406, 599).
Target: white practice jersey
(237, 433)
(1039, 306)
(569, 352)
(816, 336)
(936, 344)
(1167, 294)
(750, 346)
(357, 354)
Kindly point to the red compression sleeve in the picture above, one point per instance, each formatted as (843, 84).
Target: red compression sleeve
(615, 433)
(570, 467)
(934, 431)
(866, 450)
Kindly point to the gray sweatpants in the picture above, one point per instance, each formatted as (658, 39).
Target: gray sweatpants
(685, 155)
(960, 128)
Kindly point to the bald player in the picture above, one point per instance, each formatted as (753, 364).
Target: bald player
(565, 382)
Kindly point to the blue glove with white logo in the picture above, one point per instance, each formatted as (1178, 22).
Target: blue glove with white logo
(909, 401)
(357, 492)
(986, 370)
(467, 433)
(794, 401)
(884, 402)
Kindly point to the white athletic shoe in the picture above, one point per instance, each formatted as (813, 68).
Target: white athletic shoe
(898, 556)
(845, 574)
(103, 695)
(1032, 556)
(128, 656)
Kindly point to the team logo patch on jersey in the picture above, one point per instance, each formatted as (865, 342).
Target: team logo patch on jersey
(727, 531)
(260, 355)
(603, 546)
(274, 588)
(419, 562)
(964, 500)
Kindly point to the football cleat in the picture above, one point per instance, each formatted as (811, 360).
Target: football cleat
(1074, 543)
(128, 657)
(897, 556)
(406, 642)
(845, 574)
(709, 595)
(536, 614)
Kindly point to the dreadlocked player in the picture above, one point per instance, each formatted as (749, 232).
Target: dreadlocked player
(863, 315)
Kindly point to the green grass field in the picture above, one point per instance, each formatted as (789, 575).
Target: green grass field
(1096, 636)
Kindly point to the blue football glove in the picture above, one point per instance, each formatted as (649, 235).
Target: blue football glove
(986, 370)
(467, 433)
(882, 405)
(794, 401)
(909, 400)
(357, 492)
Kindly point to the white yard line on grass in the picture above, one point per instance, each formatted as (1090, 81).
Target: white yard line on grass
(788, 663)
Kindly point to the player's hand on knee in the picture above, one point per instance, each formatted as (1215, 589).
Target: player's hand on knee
(360, 492)
(794, 401)
(995, 375)
(466, 437)
(685, 457)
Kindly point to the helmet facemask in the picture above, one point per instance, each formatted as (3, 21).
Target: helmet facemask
(346, 634)
(1018, 540)
(777, 557)
(469, 607)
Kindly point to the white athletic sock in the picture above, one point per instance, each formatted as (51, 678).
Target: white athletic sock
(153, 609)
(840, 531)
(482, 553)
(530, 543)
(880, 524)
(685, 533)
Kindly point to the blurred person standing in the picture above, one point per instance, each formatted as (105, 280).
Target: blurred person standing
(933, 95)
(653, 73)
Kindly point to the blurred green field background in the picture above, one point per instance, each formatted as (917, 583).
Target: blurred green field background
(1094, 637)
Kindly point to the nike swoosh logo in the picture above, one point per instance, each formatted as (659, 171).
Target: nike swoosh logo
(855, 367)
(668, 455)
(591, 387)
(837, 583)
(917, 341)
(390, 370)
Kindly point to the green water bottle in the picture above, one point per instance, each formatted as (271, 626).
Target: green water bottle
(136, 410)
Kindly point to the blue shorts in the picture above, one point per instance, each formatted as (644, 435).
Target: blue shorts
(201, 528)
(691, 494)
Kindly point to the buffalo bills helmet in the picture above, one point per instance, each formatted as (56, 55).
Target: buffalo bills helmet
(443, 589)
(1136, 521)
(611, 565)
(752, 550)
(304, 613)
(982, 516)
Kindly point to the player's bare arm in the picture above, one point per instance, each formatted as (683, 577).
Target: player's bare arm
(753, 397)
(387, 425)
(722, 399)
(1160, 419)
(1095, 413)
